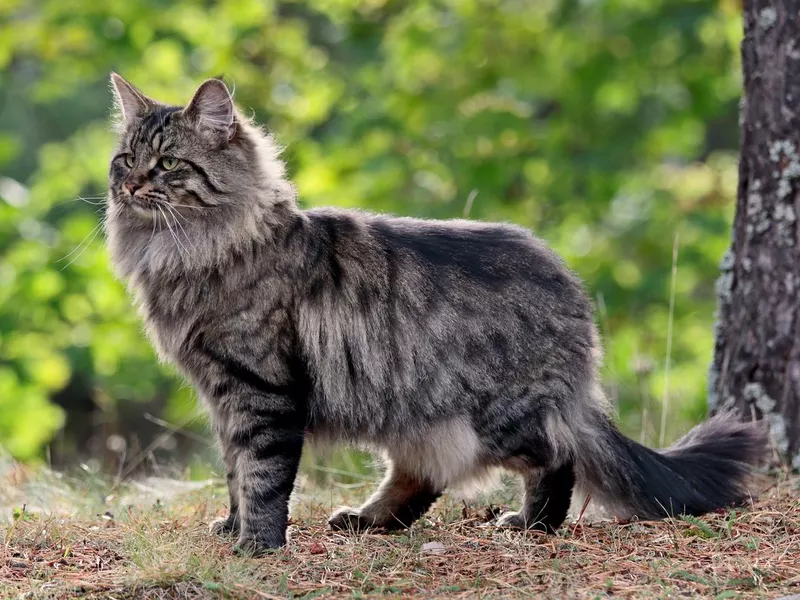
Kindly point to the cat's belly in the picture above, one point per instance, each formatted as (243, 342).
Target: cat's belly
(446, 453)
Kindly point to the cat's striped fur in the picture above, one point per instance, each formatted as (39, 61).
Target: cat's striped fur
(450, 346)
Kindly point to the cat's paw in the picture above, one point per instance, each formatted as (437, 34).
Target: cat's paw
(349, 519)
(515, 520)
(511, 520)
(261, 545)
(224, 526)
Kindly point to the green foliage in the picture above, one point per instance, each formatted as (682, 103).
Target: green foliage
(607, 127)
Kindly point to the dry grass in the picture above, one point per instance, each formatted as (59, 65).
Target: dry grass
(160, 549)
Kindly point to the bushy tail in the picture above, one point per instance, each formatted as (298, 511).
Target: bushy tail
(707, 469)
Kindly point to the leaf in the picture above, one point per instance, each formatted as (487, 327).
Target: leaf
(317, 548)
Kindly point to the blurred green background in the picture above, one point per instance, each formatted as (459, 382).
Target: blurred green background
(609, 127)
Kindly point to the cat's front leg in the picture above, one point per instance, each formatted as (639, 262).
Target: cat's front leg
(230, 524)
(266, 432)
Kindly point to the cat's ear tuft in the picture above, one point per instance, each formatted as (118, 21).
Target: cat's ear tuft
(130, 102)
(212, 107)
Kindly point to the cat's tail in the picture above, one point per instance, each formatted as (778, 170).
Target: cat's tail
(708, 469)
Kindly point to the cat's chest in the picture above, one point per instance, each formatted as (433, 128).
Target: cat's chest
(170, 329)
(172, 310)
(190, 323)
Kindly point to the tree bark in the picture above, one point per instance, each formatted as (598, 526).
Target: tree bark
(756, 365)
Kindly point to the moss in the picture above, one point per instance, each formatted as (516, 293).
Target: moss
(728, 260)
(794, 53)
(785, 217)
(755, 393)
(757, 218)
(784, 153)
(767, 18)
(724, 289)
(713, 378)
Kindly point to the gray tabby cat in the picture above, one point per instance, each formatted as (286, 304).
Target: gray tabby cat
(452, 347)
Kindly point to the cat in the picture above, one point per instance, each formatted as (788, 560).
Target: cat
(451, 347)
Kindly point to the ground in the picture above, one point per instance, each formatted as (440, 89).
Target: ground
(151, 541)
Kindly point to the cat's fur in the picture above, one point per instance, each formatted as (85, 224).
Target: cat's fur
(450, 346)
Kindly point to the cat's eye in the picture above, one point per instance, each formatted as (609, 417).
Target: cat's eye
(129, 160)
(168, 162)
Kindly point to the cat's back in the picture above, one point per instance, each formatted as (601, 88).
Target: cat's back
(492, 258)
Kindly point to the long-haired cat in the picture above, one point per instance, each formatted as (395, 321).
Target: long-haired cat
(451, 347)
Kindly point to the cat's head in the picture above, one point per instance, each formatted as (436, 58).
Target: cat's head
(190, 186)
(192, 160)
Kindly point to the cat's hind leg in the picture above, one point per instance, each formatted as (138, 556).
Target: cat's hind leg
(400, 500)
(546, 499)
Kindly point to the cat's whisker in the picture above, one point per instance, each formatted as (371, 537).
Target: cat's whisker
(165, 217)
(83, 245)
(153, 233)
(173, 211)
(178, 244)
(169, 228)
(76, 248)
(188, 206)
(186, 235)
(90, 200)
(87, 199)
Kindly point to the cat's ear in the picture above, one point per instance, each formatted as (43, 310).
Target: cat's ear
(212, 107)
(130, 102)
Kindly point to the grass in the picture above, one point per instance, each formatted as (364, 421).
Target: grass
(149, 540)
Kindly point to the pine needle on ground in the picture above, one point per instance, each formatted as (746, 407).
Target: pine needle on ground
(145, 548)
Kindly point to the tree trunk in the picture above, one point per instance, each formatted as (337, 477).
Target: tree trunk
(756, 364)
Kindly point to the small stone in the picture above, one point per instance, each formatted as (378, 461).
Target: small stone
(433, 548)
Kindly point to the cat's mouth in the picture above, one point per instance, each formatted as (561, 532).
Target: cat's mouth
(144, 211)
(142, 207)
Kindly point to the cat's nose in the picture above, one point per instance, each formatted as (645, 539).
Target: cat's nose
(132, 186)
